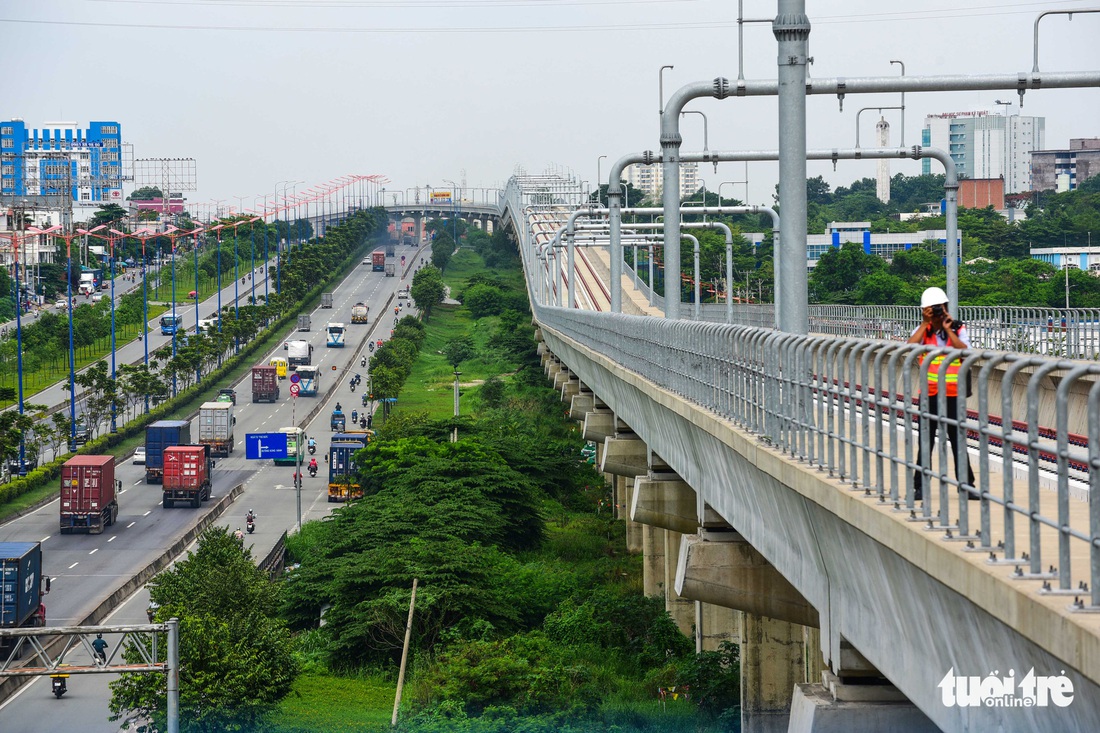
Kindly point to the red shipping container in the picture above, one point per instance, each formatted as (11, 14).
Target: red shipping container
(184, 467)
(88, 493)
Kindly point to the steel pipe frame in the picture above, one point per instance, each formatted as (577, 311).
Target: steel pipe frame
(951, 188)
(792, 28)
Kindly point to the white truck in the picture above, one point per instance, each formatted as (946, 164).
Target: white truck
(360, 313)
(87, 283)
(298, 352)
(216, 427)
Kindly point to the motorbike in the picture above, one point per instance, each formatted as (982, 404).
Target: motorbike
(59, 686)
(363, 423)
(313, 471)
(312, 449)
(371, 346)
(352, 385)
(250, 526)
(363, 362)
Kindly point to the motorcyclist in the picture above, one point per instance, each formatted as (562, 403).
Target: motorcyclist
(355, 415)
(312, 464)
(363, 422)
(338, 408)
(251, 516)
(311, 444)
(100, 647)
(371, 345)
(363, 362)
(239, 535)
(352, 384)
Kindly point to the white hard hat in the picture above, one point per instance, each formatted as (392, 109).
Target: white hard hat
(932, 296)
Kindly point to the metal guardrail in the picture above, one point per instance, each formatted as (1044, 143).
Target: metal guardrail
(840, 403)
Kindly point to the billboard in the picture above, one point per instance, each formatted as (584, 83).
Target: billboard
(441, 197)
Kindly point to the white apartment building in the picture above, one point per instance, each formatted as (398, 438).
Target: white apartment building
(986, 145)
(650, 178)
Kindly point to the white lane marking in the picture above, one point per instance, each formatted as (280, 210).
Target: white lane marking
(94, 551)
(113, 538)
(44, 538)
(131, 524)
(138, 482)
(147, 513)
(73, 565)
(123, 491)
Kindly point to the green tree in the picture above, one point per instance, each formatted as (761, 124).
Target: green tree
(838, 272)
(235, 656)
(458, 350)
(427, 289)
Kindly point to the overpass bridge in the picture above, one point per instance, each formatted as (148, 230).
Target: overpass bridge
(768, 480)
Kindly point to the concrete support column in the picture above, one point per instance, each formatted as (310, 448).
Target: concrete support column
(418, 222)
(772, 663)
(633, 529)
(720, 624)
(682, 610)
(653, 560)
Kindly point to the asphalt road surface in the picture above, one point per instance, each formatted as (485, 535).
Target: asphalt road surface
(86, 568)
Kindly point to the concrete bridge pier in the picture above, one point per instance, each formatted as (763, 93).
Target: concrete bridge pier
(418, 224)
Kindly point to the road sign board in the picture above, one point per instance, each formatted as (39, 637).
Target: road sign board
(294, 378)
(258, 446)
(295, 389)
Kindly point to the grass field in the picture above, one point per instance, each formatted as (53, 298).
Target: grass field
(430, 387)
(335, 705)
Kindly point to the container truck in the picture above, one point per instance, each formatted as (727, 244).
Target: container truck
(389, 249)
(360, 313)
(335, 335)
(389, 269)
(216, 427)
(343, 484)
(158, 436)
(89, 498)
(326, 300)
(303, 322)
(378, 261)
(298, 352)
(22, 586)
(187, 470)
(265, 384)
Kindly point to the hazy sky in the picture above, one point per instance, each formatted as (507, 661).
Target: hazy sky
(259, 91)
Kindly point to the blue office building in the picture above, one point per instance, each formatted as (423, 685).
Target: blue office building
(61, 157)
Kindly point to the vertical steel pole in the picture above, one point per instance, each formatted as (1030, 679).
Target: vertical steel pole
(114, 409)
(670, 199)
(173, 675)
(792, 30)
(72, 351)
(145, 313)
(615, 219)
(19, 346)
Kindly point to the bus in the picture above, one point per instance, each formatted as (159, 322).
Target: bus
(294, 437)
(310, 380)
(170, 324)
(343, 484)
(335, 335)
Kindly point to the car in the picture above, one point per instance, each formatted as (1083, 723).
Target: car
(81, 432)
(227, 395)
(366, 260)
(106, 285)
(97, 297)
(61, 304)
(139, 456)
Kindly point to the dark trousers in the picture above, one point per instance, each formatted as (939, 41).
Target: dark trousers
(954, 436)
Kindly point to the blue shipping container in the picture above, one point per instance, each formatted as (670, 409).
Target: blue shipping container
(20, 578)
(164, 434)
(340, 463)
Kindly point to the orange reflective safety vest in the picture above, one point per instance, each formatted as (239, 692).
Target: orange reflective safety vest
(951, 375)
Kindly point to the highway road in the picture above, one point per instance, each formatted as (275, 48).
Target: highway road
(86, 569)
(133, 351)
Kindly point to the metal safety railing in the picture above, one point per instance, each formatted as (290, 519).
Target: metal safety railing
(855, 408)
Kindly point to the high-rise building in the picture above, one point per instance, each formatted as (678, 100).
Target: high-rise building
(986, 145)
(1064, 170)
(650, 178)
(62, 158)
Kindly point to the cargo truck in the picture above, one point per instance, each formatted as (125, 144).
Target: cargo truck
(343, 484)
(22, 586)
(360, 313)
(161, 435)
(89, 498)
(298, 353)
(265, 384)
(389, 269)
(187, 470)
(389, 249)
(303, 321)
(216, 427)
(326, 300)
(378, 261)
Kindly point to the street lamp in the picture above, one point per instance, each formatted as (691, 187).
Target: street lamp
(454, 209)
(661, 87)
(72, 353)
(111, 261)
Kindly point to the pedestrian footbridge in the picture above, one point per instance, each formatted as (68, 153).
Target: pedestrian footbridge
(768, 480)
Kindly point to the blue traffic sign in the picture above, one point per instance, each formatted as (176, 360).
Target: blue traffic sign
(258, 446)
(294, 378)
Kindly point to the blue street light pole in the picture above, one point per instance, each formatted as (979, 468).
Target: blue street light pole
(219, 228)
(144, 303)
(252, 234)
(114, 408)
(175, 323)
(19, 350)
(72, 351)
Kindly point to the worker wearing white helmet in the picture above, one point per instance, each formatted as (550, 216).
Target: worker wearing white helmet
(938, 328)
